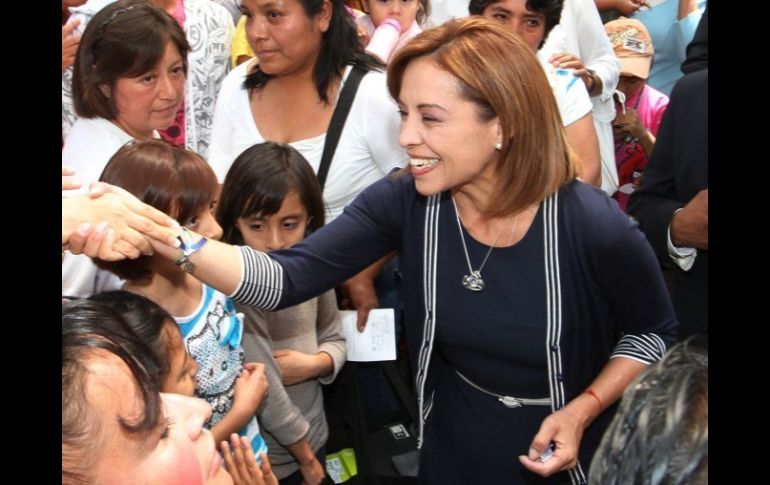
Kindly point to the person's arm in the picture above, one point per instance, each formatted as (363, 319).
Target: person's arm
(331, 340)
(582, 138)
(622, 263)
(279, 416)
(359, 293)
(118, 216)
(596, 51)
(309, 466)
(566, 426)
(220, 155)
(368, 229)
(626, 7)
(678, 149)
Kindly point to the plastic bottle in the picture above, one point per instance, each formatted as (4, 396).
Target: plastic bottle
(385, 38)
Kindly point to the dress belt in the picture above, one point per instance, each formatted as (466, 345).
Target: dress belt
(509, 401)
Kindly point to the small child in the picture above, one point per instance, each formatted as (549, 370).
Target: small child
(181, 184)
(172, 366)
(409, 14)
(270, 200)
(639, 106)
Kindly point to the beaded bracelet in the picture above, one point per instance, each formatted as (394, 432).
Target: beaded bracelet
(188, 249)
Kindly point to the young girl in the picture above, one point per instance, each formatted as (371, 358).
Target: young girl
(173, 368)
(410, 14)
(270, 200)
(181, 184)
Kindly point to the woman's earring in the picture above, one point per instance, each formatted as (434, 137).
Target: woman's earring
(499, 146)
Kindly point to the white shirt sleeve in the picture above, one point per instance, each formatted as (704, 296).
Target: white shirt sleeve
(683, 257)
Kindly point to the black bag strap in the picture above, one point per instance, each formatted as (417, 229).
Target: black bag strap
(337, 123)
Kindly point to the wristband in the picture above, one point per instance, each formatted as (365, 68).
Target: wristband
(593, 394)
(188, 249)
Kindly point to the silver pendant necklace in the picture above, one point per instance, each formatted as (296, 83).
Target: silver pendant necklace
(473, 281)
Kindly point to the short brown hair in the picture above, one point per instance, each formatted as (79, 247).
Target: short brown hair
(124, 39)
(173, 180)
(498, 72)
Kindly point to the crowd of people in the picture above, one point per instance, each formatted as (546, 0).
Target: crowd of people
(520, 168)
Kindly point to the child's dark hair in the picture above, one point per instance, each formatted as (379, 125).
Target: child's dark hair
(147, 319)
(258, 182)
(175, 181)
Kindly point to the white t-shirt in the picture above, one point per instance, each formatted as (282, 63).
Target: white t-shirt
(368, 147)
(88, 148)
(569, 90)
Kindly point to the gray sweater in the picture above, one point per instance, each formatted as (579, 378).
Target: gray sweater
(290, 413)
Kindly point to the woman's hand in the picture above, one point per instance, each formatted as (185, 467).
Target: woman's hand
(122, 225)
(565, 428)
(565, 60)
(299, 367)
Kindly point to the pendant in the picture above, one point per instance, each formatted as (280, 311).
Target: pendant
(473, 281)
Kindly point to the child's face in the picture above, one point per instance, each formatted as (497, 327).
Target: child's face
(630, 85)
(281, 230)
(402, 10)
(205, 224)
(182, 368)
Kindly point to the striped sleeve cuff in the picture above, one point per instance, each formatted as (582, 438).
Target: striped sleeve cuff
(262, 282)
(646, 348)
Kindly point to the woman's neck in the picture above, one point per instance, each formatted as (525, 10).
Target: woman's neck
(137, 135)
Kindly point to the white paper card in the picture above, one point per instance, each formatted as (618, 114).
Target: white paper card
(376, 342)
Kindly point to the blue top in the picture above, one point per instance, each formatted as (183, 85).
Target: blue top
(669, 38)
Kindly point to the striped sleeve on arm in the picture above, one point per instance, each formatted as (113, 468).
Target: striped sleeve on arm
(646, 348)
(262, 282)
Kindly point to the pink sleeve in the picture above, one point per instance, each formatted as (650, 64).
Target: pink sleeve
(658, 105)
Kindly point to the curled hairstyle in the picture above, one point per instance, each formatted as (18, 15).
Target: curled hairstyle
(258, 182)
(175, 181)
(89, 331)
(125, 39)
(550, 8)
(660, 432)
(147, 320)
(500, 74)
(339, 47)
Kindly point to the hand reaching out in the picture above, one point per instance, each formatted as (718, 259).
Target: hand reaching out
(121, 225)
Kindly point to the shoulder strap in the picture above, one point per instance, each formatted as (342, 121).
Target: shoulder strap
(337, 122)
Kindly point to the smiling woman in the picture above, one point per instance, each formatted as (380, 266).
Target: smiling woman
(516, 274)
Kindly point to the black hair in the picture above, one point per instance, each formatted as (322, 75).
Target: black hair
(89, 327)
(550, 8)
(147, 319)
(339, 47)
(258, 182)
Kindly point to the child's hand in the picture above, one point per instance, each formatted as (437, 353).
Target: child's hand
(312, 472)
(250, 389)
(242, 465)
(299, 367)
